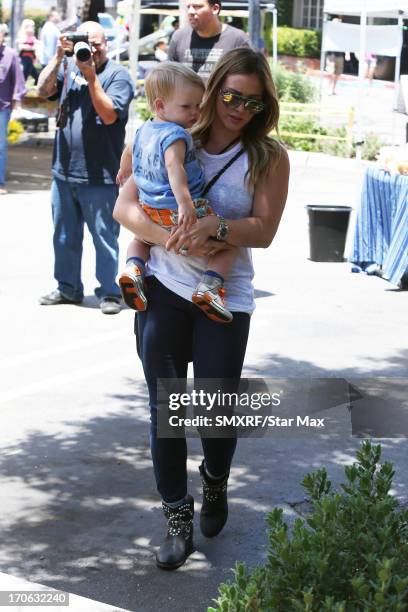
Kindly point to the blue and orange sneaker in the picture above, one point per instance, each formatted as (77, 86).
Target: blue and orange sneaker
(210, 297)
(132, 287)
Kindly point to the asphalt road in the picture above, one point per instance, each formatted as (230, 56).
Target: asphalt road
(80, 511)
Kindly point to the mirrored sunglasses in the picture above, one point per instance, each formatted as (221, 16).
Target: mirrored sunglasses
(234, 100)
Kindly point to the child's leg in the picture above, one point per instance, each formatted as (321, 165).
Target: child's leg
(131, 281)
(138, 249)
(209, 295)
(221, 263)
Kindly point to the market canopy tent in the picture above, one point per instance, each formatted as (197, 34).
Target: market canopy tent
(381, 40)
(373, 8)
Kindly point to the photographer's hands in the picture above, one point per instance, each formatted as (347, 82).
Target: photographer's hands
(47, 81)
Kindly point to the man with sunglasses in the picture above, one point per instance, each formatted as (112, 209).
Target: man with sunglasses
(94, 98)
(205, 40)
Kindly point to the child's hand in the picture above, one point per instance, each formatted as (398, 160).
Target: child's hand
(186, 217)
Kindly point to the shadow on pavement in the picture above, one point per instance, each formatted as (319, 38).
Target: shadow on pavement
(81, 512)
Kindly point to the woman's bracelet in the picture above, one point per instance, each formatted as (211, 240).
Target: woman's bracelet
(223, 229)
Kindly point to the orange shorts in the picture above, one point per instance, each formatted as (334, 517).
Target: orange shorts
(168, 218)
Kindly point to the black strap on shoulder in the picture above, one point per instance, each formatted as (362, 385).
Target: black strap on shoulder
(221, 172)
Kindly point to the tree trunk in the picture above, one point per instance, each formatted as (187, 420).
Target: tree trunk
(255, 23)
(62, 8)
(91, 8)
(17, 14)
(67, 10)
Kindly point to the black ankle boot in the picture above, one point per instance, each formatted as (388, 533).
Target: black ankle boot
(214, 511)
(178, 544)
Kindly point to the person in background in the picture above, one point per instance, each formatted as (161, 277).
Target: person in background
(49, 37)
(12, 89)
(205, 40)
(370, 63)
(160, 50)
(175, 25)
(94, 98)
(335, 63)
(28, 46)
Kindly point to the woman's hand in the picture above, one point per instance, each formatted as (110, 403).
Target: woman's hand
(210, 247)
(196, 237)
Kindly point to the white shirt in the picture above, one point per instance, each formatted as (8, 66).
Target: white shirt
(230, 198)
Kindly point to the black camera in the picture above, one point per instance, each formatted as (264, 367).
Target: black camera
(82, 48)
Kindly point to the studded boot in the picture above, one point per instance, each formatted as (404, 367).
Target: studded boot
(214, 511)
(178, 543)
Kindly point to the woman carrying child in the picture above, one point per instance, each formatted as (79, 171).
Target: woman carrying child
(238, 111)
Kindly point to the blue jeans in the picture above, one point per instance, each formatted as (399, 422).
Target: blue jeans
(74, 204)
(171, 332)
(4, 119)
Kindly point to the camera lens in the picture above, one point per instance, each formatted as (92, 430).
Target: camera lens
(82, 51)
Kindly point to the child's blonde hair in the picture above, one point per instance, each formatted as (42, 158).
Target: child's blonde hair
(162, 81)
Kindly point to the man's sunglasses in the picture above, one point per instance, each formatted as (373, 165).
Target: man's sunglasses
(234, 100)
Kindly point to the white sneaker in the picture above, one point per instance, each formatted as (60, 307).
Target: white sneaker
(210, 297)
(132, 287)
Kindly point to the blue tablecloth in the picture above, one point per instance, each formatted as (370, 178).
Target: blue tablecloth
(381, 234)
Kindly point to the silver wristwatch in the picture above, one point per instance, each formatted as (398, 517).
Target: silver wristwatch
(223, 229)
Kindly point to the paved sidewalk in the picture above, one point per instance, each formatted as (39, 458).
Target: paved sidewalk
(80, 511)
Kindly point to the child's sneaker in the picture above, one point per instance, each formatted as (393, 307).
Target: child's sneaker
(132, 287)
(209, 296)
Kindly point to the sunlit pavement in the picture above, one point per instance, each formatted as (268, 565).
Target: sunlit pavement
(80, 511)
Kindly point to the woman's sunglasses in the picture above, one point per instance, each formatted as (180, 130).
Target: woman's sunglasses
(233, 100)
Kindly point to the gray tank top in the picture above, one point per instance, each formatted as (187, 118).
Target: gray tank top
(230, 199)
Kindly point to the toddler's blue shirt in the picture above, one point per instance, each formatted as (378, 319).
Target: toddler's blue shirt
(149, 170)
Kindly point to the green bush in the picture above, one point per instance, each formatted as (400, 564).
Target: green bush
(39, 20)
(38, 16)
(371, 146)
(293, 86)
(349, 555)
(297, 42)
(142, 109)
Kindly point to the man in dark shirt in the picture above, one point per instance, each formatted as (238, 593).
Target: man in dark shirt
(94, 98)
(201, 44)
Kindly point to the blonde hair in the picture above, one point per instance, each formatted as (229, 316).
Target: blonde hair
(22, 31)
(162, 81)
(263, 151)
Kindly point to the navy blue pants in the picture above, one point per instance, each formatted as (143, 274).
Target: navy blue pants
(172, 332)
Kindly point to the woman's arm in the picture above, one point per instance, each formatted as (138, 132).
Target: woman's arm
(269, 202)
(129, 214)
(256, 231)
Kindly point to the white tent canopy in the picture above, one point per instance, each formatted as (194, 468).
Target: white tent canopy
(373, 8)
(364, 9)
(381, 40)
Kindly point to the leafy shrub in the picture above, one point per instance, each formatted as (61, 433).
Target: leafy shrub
(15, 130)
(293, 86)
(142, 108)
(371, 146)
(38, 16)
(297, 42)
(349, 555)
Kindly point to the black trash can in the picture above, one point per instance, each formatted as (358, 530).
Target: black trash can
(327, 231)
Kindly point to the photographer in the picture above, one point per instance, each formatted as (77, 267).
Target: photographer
(94, 94)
